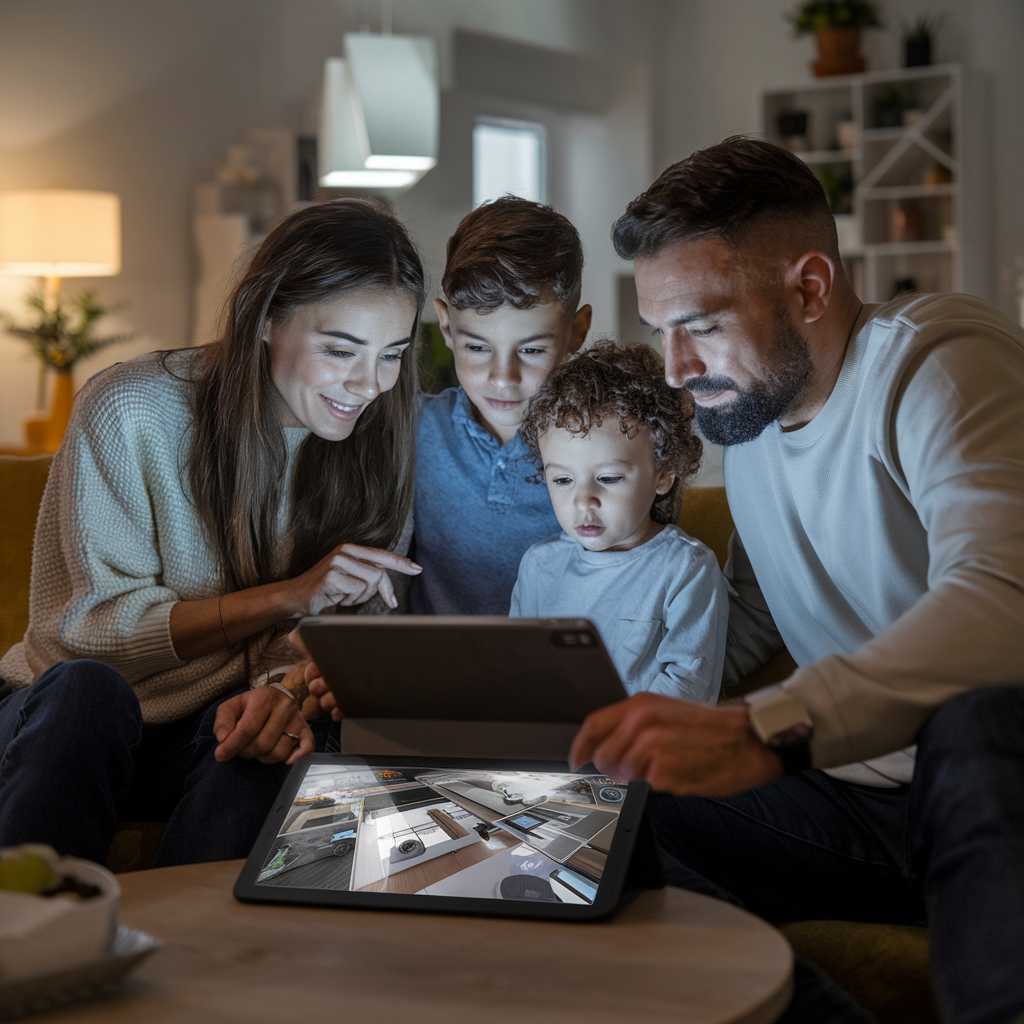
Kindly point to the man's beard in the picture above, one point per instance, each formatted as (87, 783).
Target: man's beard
(765, 400)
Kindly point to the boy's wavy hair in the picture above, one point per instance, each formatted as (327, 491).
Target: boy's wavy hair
(513, 251)
(628, 381)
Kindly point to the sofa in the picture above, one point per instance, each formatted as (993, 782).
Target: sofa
(884, 967)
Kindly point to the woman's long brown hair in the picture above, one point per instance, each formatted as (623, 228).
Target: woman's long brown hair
(357, 490)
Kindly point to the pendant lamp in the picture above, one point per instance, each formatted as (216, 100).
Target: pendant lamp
(380, 111)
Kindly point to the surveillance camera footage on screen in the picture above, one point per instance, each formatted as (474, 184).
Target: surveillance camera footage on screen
(509, 835)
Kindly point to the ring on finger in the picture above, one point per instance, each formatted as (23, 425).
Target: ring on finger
(293, 736)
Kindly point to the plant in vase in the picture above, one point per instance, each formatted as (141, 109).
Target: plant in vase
(890, 102)
(60, 337)
(917, 39)
(837, 26)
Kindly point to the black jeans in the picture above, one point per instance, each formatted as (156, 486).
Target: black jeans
(76, 758)
(947, 849)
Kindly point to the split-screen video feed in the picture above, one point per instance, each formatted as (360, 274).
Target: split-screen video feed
(510, 835)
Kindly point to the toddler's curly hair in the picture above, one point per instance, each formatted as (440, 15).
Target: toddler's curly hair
(613, 379)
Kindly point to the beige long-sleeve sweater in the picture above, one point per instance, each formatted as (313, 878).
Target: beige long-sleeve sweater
(118, 543)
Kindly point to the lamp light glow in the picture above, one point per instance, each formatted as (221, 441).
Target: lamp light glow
(400, 163)
(368, 179)
(56, 233)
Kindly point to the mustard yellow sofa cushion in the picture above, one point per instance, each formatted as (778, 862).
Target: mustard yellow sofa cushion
(22, 480)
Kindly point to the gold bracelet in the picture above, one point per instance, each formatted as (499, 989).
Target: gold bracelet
(220, 615)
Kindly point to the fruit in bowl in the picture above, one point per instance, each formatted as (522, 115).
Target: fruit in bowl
(55, 911)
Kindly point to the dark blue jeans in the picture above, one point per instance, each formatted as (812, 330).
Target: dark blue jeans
(76, 758)
(948, 849)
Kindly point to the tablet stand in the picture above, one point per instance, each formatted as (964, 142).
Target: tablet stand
(419, 737)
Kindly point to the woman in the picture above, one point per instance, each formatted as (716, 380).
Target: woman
(202, 500)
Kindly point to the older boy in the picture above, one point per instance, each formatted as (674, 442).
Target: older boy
(616, 444)
(512, 285)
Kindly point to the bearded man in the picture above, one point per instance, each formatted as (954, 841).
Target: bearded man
(875, 472)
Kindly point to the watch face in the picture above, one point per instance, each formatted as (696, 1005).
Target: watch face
(795, 734)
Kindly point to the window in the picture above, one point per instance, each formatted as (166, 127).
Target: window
(509, 156)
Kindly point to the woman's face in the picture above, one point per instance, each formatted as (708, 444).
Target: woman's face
(331, 359)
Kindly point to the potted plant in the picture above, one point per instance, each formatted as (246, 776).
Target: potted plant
(836, 25)
(60, 337)
(917, 39)
(890, 101)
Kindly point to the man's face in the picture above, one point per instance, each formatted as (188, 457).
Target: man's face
(503, 356)
(727, 336)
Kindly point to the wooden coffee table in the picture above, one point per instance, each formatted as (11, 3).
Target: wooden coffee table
(670, 955)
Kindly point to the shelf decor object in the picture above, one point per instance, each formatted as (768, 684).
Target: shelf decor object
(917, 40)
(837, 26)
(380, 113)
(57, 233)
(900, 155)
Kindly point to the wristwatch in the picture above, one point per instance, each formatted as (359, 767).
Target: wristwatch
(783, 724)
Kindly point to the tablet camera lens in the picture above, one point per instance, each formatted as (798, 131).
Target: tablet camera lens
(574, 638)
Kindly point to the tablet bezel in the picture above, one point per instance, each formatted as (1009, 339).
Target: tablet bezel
(609, 891)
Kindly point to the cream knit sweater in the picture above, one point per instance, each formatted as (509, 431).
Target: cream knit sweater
(117, 543)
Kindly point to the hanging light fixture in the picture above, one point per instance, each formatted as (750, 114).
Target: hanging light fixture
(380, 112)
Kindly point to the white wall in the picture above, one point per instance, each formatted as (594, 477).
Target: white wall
(713, 57)
(141, 98)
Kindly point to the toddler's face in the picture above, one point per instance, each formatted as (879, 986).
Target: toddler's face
(602, 486)
(502, 357)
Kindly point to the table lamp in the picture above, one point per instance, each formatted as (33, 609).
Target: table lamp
(56, 233)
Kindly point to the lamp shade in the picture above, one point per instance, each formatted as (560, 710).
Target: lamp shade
(60, 233)
(380, 112)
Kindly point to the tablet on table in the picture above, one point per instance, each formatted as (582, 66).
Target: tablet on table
(525, 839)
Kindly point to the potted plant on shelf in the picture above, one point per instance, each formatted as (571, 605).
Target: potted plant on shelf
(917, 39)
(837, 26)
(890, 102)
(60, 337)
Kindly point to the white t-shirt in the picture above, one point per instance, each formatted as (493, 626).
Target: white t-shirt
(884, 541)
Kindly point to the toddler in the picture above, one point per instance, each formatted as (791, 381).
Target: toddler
(616, 445)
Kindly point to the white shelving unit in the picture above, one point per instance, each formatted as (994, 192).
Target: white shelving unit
(928, 171)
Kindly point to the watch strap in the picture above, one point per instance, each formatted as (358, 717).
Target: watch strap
(783, 724)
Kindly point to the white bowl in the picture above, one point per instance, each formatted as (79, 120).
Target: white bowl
(45, 933)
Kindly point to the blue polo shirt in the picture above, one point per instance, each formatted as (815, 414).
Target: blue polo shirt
(475, 513)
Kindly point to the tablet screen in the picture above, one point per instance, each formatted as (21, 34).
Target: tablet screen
(502, 835)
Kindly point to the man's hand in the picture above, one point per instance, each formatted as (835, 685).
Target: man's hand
(678, 747)
(315, 682)
(262, 723)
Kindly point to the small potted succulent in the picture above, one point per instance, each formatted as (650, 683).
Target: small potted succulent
(917, 39)
(837, 26)
(890, 102)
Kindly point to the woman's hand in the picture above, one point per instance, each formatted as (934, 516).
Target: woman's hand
(262, 724)
(315, 682)
(349, 575)
(318, 688)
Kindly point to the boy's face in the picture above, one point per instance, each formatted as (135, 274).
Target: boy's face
(602, 486)
(502, 357)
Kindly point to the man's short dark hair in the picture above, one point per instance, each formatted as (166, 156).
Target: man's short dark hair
(725, 191)
(516, 252)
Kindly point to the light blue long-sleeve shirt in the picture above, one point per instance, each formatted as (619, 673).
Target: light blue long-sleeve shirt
(661, 609)
(476, 513)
